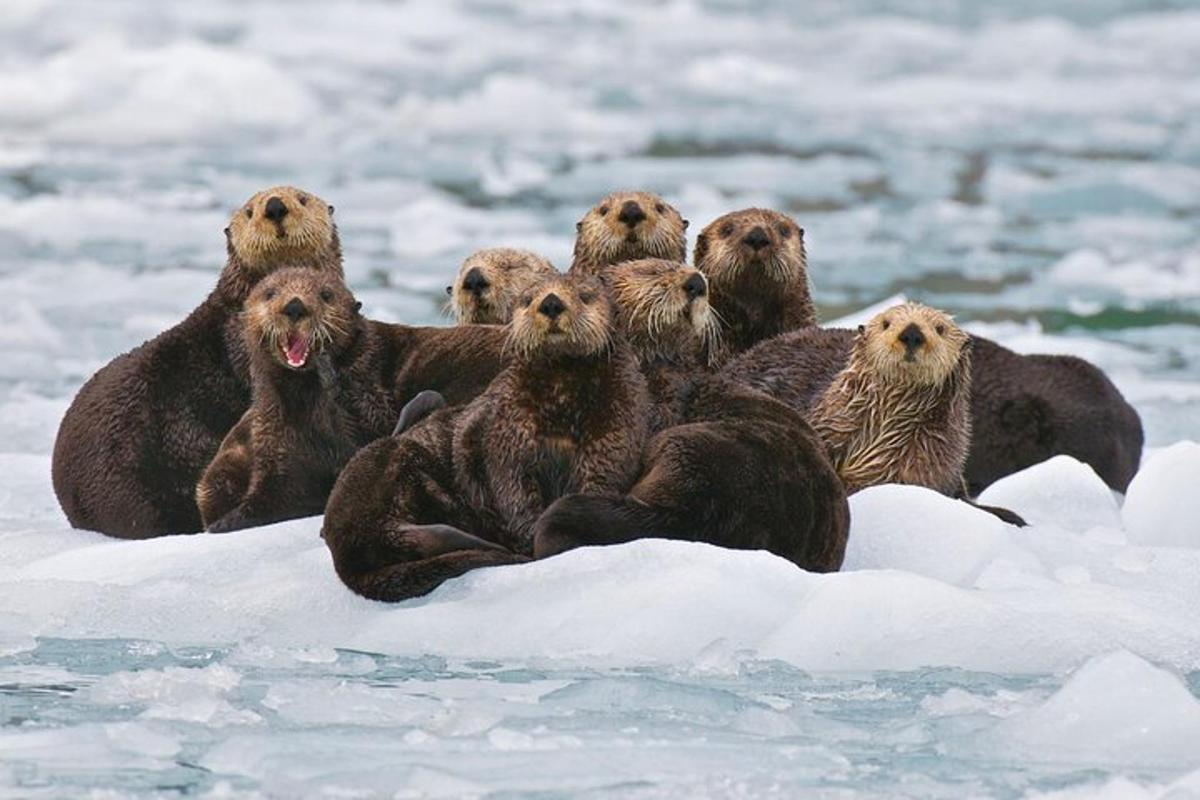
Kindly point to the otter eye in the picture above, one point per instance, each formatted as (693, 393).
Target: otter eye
(886, 325)
(726, 230)
(326, 295)
(269, 294)
(602, 211)
(303, 200)
(940, 329)
(659, 207)
(785, 230)
(527, 299)
(249, 212)
(587, 297)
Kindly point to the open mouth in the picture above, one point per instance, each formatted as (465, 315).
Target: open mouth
(295, 350)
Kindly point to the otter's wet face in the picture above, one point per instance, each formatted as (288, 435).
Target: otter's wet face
(296, 314)
(490, 282)
(754, 240)
(631, 225)
(562, 316)
(281, 225)
(913, 343)
(664, 308)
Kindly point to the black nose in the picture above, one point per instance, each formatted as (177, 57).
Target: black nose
(757, 239)
(474, 282)
(631, 213)
(551, 306)
(695, 286)
(911, 337)
(275, 210)
(295, 309)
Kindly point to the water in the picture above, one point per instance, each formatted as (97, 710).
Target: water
(1032, 167)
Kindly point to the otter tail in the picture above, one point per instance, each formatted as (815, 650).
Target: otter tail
(417, 409)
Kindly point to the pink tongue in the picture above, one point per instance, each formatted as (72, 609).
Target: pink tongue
(297, 349)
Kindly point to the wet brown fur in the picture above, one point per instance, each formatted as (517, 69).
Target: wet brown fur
(603, 239)
(138, 434)
(758, 292)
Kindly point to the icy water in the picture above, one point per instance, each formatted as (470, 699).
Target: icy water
(1033, 167)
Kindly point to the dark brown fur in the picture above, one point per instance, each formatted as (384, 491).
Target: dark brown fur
(138, 434)
(626, 226)
(1024, 409)
(742, 471)
(757, 270)
(567, 414)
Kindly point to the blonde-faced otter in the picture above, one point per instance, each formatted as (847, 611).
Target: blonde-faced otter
(899, 411)
(463, 487)
(490, 281)
(625, 226)
(664, 314)
(318, 392)
(757, 269)
(138, 434)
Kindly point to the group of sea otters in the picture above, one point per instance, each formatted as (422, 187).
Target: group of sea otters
(633, 396)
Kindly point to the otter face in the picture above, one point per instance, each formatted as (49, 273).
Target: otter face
(628, 225)
(296, 314)
(756, 240)
(664, 308)
(490, 281)
(562, 316)
(914, 344)
(280, 225)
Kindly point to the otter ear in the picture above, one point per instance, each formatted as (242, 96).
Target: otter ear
(969, 344)
(227, 232)
(579, 226)
(331, 208)
(701, 251)
(862, 328)
(449, 290)
(685, 224)
(357, 307)
(801, 232)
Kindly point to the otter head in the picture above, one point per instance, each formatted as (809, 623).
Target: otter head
(664, 311)
(628, 225)
(912, 344)
(282, 226)
(564, 316)
(296, 315)
(753, 242)
(490, 281)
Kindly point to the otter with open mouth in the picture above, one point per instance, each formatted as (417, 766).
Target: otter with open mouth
(757, 268)
(462, 488)
(626, 226)
(140, 432)
(490, 281)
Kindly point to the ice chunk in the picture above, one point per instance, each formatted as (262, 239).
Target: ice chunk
(935, 535)
(1060, 491)
(176, 693)
(1115, 709)
(1162, 505)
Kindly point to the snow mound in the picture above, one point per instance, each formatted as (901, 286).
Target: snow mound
(1060, 491)
(1117, 708)
(1162, 505)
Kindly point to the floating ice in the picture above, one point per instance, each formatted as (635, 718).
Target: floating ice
(1162, 506)
(1060, 491)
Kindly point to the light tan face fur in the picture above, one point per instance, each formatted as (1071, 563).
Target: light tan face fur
(263, 237)
(726, 249)
(664, 308)
(628, 225)
(934, 346)
(490, 281)
(296, 314)
(582, 328)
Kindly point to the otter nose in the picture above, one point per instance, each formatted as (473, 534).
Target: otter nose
(757, 239)
(695, 286)
(631, 213)
(551, 306)
(474, 282)
(911, 337)
(275, 210)
(295, 309)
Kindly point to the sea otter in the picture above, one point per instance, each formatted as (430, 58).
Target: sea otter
(138, 434)
(463, 487)
(757, 269)
(625, 226)
(317, 369)
(490, 281)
